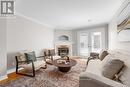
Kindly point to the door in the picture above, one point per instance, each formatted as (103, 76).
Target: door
(96, 42)
(84, 42)
(90, 41)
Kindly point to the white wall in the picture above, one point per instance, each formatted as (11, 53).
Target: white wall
(113, 42)
(25, 34)
(3, 58)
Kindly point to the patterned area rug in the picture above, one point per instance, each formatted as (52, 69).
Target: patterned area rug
(51, 77)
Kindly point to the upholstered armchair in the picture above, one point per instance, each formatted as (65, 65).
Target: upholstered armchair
(29, 62)
(100, 56)
(50, 55)
(93, 55)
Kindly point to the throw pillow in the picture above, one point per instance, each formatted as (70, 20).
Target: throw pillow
(111, 68)
(103, 54)
(30, 56)
(21, 55)
(124, 75)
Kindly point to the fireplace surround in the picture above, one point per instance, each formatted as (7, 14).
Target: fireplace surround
(63, 42)
(63, 49)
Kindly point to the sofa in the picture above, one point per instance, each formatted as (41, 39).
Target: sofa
(92, 76)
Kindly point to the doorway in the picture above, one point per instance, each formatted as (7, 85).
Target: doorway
(91, 40)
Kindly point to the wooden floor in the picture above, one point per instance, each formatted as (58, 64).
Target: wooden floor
(11, 77)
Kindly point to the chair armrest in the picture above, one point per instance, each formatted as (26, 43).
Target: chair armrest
(93, 80)
(25, 61)
(17, 61)
(40, 56)
(22, 61)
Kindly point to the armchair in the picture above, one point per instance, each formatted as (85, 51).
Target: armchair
(50, 55)
(93, 55)
(30, 65)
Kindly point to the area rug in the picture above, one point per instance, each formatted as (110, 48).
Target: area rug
(51, 77)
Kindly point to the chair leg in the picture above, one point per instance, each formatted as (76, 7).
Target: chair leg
(33, 73)
(51, 58)
(16, 68)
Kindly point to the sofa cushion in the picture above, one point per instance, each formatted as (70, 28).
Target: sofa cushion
(103, 54)
(112, 67)
(37, 65)
(94, 66)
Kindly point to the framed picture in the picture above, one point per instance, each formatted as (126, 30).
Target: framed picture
(123, 24)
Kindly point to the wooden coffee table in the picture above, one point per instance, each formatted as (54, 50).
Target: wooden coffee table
(65, 67)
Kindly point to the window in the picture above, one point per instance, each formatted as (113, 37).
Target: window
(83, 44)
(63, 38)
(96, 41)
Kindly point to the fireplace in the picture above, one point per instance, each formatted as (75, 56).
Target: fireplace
(63, 43)
(63, 51)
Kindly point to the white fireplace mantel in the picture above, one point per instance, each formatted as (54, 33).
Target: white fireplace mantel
(67, 44)
(63, 37)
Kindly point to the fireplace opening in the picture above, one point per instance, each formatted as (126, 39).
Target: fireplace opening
(63, 51)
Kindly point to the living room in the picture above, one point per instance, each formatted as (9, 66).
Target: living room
(71, 43)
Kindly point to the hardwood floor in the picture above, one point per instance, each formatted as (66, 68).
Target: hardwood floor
(11, 77)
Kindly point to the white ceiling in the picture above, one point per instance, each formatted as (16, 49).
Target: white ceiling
(69, 14)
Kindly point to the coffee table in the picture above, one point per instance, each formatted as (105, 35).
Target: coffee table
(64, 67)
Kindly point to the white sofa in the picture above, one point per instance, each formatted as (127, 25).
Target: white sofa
(92, 77)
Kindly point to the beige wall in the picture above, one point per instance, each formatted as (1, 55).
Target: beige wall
(113, 42)
(3, 58)
(26, 34)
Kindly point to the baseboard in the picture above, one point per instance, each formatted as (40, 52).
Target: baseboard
(8, 72)
(12, 70)
(3, 77)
